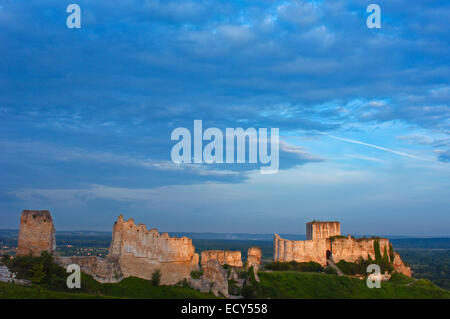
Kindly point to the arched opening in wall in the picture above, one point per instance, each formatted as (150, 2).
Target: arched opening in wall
(329, 255)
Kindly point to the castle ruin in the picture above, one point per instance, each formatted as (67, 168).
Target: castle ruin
(36, 234)
(139, 252)
(324, 242)
(228, 257)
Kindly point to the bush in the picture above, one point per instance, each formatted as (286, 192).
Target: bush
(360, 267)
(37, 273)
(233, 288)
(295, 266)
(40, 270)
(357, 268)
(250, 292)
(183, 283)
(196, 274)
(399, 278)
(5, 259)
(330, 271)
(276, 265)
(226, 266)
(156, 277)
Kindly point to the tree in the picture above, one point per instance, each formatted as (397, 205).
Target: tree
(6, 259)
(376, 247)
(156, 277)
(385, 256)
(391, 253)
(37, 273)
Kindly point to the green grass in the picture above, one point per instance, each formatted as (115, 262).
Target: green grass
(133, 287)
(12, 291)
(128, 288)
(289, 284)
(276, 284)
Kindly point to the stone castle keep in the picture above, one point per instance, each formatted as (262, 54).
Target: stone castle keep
(37, 233)
(138, 251)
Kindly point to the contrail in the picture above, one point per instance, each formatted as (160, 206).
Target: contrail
(377, 147)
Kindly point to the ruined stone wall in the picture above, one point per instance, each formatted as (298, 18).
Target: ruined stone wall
(400, 266)
(140, 252)
(36, 233)
(232, 258)
(351, 249)
(254, 257)
(300, 250)
(322, 230)
(104, 270)
(348, 249)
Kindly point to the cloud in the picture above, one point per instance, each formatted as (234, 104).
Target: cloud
(96, 106)
(444, 155)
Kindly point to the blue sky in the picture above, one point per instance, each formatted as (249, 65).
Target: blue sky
(86, 114)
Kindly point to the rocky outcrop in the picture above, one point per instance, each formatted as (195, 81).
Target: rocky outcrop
(140, 252)
(214, 279)
(5, 274)
(400, 266)
(232, 258)
(254, 257)
(104, 270)
(36, 234)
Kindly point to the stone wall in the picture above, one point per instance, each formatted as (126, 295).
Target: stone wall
(348, 249)
(254, 257)
(400, 266)
(322, 230)
(104, 270)
(351, 249)
(285, 250)
(36, 233)
(140, 252)
(232, 258)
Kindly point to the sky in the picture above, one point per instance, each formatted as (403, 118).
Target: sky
(86, 114)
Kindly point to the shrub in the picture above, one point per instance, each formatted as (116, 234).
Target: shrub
(357, 268)
(277, 266)
(399, 278)
(295, 266)
(308, 267)
(183, 283)
(156, 277)
(233, 288)
(196, 274)
(243, 274)
(376, 247)
(226, 266)
(250, 292)
(40, 270)
(37, 273)
(5, 259)
(330, 271)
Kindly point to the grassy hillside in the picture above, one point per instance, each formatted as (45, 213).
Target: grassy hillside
(11, 291)
(291, 284)
(133, 287)
(277, 284)
(127, 288)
